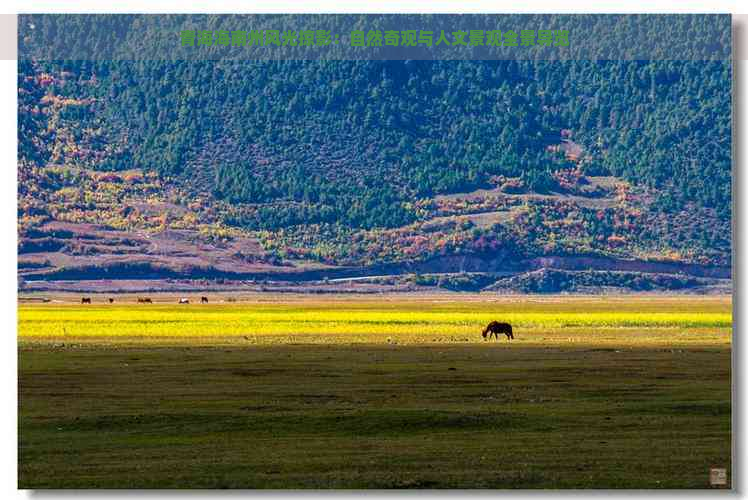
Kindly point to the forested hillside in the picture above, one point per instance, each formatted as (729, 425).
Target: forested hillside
(359, 163)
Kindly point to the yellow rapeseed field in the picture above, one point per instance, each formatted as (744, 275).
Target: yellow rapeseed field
(634, 320)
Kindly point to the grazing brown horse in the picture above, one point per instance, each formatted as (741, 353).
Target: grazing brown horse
(203, 300)
(86, 300)
(111, 300)
(144, 300)
(495, 328)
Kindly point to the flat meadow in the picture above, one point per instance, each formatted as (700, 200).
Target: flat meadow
(408, 320)
(374, 392)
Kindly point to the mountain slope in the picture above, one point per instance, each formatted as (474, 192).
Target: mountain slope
(287, 166)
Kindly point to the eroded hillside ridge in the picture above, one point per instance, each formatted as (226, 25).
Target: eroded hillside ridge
(318, 171)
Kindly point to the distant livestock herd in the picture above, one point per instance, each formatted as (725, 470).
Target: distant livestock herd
(147, 300)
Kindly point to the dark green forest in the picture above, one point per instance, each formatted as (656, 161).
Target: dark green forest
(353, 140)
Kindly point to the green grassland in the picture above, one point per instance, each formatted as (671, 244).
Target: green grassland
(394, 392)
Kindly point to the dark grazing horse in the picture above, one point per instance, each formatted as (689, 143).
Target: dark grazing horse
(495, 328)
(86, 300)
(203, 300)
(111, 300)
(144, 300)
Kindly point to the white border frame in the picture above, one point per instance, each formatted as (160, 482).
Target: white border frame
(8, 132)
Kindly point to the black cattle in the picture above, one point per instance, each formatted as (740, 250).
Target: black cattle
(495, 328)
